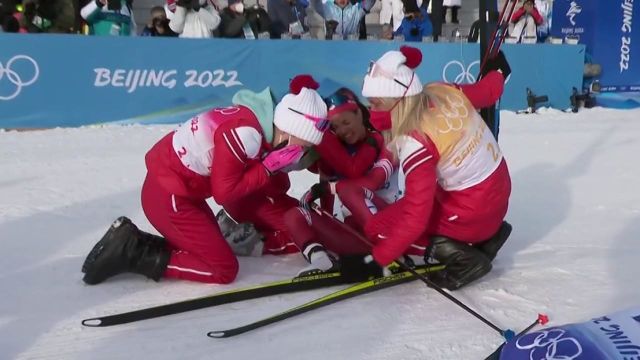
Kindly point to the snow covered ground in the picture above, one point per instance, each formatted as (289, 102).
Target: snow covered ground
(573, 254)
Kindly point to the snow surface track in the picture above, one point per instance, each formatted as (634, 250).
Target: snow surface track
(573, 253)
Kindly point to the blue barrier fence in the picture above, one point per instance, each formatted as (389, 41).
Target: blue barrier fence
(48, 81)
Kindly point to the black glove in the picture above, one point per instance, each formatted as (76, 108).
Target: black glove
(358, 268)
(500, 63)
(316, 192)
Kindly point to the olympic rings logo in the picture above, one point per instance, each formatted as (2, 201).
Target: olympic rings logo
(452, 114)
(550, 345)
(15, 78)
(463, 75)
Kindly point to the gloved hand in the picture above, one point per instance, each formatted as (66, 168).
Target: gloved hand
(316, 192)
(499, 63)
(357, 268)
(282, 158)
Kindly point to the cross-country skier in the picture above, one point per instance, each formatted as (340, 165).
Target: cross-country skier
(239, 155)
(452, 177)
(347, 153)
(365, 196)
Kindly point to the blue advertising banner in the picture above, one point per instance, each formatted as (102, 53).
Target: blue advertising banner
(616, 46)
(62, 80)
(606, 29)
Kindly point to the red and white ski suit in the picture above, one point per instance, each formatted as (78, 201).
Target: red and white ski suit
(458, 189)
(217, 153)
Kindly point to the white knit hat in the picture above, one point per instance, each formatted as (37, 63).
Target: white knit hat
(290, 119)
(393, 76)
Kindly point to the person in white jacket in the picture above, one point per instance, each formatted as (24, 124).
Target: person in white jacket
(454, 5)
(193, 18)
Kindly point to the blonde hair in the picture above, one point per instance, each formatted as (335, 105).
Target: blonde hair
(418, 113)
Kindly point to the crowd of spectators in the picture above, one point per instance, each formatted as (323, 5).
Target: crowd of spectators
(409, 20)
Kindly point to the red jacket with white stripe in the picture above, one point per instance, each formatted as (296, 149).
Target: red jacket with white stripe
(217, 153)
(454, 166)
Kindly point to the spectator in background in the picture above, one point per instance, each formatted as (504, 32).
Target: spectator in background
(238, 22)
(287, 17)
(109, 17)
(416, 22)
(159, 24)
(454, 5)
(37, 16)
(9, 23)
(193, 18)
(526, 20)
(391, 16)
(346, 14)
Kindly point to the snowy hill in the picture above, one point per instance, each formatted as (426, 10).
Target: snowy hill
(573, 253)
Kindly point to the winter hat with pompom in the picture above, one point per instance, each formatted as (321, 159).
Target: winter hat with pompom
(297, 110)
(393, 75)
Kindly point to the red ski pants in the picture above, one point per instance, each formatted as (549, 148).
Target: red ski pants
(199, 252)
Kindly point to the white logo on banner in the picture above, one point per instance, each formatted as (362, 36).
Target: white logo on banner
(546, 345)
(16, 79)
(625, 47)
(145, 78)
(460, 73)
(574, 9)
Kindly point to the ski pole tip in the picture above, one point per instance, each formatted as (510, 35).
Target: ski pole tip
(216, 334)
(93, 322)
(543, 319)
(508, 334)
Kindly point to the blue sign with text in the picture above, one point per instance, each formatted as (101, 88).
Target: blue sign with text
(48, 81)
(606, 28)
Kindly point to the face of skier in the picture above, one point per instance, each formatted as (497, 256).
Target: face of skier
(349, 126)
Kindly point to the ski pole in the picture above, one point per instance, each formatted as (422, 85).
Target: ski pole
(507, 334)
(492, 49)
(542, 320)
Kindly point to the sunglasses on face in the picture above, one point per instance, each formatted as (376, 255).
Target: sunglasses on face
(337, 100)
(376, 70)
(322, 124)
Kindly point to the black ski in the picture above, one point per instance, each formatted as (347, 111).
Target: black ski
(252, 292)
(352, 291)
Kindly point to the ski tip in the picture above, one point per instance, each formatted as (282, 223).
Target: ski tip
(94, 322)
(508, 334)
(216, 334)
(543, 319)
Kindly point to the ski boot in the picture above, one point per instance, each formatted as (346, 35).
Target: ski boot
(491, 247)
(463, 263)
(319, 259)
(124, 248)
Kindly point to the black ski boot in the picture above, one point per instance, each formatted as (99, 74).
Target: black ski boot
(491, 247)
(463, 263)
(124, 248)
